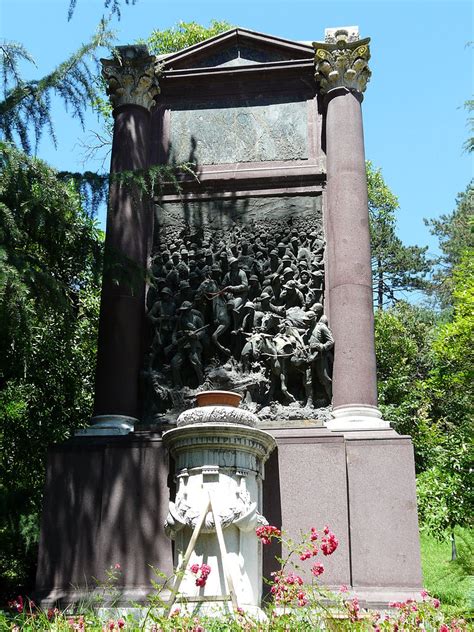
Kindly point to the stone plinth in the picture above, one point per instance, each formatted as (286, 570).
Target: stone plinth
(362, 484)
(219, 456)
(105, 503)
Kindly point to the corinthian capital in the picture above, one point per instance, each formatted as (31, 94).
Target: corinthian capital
(132, 77)
(341, 61)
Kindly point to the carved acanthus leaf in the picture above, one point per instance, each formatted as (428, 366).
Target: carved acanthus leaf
(343, 63)
(132, 77)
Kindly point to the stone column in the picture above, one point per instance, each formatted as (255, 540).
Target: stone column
(342, 73)
(132, 87)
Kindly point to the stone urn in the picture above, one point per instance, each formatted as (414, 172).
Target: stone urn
(219, 455)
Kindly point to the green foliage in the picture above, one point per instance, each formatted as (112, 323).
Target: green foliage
(402, 340)
(450, 581)
(50, 261)
(26, 105)
(469, 144)
(113, 5)
(396, 268)
(455, 232)
(183, 35)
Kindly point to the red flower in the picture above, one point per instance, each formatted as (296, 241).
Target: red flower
(17, 604)
(203, 572)
(317, 570)
(121, 623)
(329, 543)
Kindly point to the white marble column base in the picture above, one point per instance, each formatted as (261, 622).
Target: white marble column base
(347, 418)
(103, 425)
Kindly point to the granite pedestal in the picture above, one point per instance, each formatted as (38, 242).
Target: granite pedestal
(107, 500)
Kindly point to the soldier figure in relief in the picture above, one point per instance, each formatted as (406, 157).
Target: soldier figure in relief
(321, 344)
(186, 343)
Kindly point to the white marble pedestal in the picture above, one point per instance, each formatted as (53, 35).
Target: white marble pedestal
(219, 456)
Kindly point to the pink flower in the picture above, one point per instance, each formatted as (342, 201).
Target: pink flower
(424, 593)
(266, 533)
(175, 612)
(306, 555)
(117, 566)
(443, 628)
(343, 589)
(436, 603)
(317, 570)
(314, 534)
(194, 569)
(353, 609)
(121, 623)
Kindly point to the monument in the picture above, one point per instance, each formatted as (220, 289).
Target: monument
(250, 273)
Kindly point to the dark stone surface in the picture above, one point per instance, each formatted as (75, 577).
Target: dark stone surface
(240, 130)
(349, 278)
(120, 341)
(235, 303)
(240, 55)
(106, 501)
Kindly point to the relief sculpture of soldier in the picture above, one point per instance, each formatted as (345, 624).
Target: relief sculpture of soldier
(249, 298)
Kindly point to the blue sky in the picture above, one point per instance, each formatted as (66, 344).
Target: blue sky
(414, 119)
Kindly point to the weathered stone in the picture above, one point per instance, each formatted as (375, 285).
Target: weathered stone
(249, 130)
(342, 62)
(222, 464)
(132, 77)
(237, 298)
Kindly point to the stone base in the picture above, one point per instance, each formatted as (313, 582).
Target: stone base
(356, 418)
(106, 501)
(104, 425)
(363, 486)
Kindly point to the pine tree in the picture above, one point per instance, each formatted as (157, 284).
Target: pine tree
(396, 268)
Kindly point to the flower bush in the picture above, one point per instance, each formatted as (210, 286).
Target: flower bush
(298, 602)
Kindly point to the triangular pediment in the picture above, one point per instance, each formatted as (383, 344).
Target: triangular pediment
(238, 47)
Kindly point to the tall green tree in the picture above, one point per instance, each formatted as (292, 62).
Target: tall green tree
(455, 232)
(50, 261)
(396, 269)
(445, 491)
(183, 35)
(25, 105)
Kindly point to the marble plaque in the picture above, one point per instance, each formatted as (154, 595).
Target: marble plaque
(235, 132)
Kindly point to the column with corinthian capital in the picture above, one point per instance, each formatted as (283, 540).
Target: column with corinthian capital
(132, 87)
(342, 72)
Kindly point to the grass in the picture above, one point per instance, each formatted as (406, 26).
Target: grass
(451, 582)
